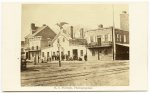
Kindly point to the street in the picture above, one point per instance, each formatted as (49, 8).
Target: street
(77, 73)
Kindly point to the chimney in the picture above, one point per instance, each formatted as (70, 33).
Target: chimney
(100, 26)
(33, 28)
(124, 21)
(44, 24)
(71, 31)
(81, 33)
(124, 12)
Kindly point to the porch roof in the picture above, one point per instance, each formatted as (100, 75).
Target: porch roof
(126, 45)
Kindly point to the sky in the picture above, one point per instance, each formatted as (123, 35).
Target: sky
(88, 16)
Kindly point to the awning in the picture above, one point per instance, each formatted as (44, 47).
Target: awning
(126, 45)
(99, 46)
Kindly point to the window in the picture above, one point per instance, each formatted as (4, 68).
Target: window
(117, 37)
(120, 38)
(81, 51)
(53, 53)
(32, 47)
(93, 53)
(42, 54)
(63, 39)
(109, 39)
(47, 54)
(91, 38)
(37, 47)
(106, 37)
(32, 54)
(68, 53)
(124, 38)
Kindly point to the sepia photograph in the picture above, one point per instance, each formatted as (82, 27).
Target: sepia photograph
(75, 45)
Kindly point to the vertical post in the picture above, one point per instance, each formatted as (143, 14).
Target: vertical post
(98, 55)
(59, 53)
(113, 37)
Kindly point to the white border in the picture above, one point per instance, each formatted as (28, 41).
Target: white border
(11, 39)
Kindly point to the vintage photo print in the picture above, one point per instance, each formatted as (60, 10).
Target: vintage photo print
(76, 47)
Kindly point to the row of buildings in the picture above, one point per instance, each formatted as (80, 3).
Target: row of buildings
(43, 44)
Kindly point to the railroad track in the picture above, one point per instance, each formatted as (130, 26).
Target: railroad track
(58, 78)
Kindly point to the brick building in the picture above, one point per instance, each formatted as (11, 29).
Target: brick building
(36, 40)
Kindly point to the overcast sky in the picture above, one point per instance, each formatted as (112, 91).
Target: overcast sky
(83, 15)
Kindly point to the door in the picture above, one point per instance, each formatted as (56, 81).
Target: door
(75, 54)
(27, 55)
(99, 41)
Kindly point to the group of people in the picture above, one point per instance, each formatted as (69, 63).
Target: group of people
(63, 58)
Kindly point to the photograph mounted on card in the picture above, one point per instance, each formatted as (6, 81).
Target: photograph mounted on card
(76, 47)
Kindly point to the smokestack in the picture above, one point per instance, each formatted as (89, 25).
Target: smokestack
(71, 32)
(33, 28)
(44, 24)
(100, 26)
(81, 32)
(124, 12)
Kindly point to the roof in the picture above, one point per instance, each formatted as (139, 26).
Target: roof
(27, 36)
(61, 33)
(105, 28)
(126, 45)
(39, 29)
(99, 29)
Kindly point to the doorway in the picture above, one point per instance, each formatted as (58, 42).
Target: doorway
(99, 41)
(75, 54)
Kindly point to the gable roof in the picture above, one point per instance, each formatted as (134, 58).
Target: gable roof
(63, 34)
(39, 29)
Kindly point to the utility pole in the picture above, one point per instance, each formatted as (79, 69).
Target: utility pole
(113, 36)
(60, 25)
(59, 52)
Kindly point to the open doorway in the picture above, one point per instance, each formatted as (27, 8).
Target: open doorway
(75, 54)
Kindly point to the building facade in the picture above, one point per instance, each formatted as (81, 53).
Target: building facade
(69, 47)
(36, 40)
(100, 44)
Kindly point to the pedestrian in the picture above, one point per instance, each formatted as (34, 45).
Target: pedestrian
(34, 60)
(85, 57)
(38, 59)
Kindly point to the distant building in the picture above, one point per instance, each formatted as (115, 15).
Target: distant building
(36, 40)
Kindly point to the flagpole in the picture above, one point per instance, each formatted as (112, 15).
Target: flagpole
(113, 36)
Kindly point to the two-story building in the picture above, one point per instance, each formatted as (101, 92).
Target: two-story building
(108, 43)
(71, 48)
(36, 40)
(100, 44)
